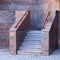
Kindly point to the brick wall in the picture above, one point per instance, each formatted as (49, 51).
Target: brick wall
(38, 9)
(6, 20)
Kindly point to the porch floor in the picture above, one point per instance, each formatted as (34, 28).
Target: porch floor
(5, 55)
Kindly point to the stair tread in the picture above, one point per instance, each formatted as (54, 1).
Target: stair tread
(33, 35)
(30, 46)
(30, 43)
(34, 31)
(29, 50)
(32, 39)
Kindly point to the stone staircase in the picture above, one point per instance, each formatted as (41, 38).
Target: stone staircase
(31, 43)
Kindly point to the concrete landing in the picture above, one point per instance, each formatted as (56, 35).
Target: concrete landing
(5, 55)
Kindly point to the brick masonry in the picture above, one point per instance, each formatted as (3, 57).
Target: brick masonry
(6, 21)
(50, 37)
(17, 35)
(38, 9)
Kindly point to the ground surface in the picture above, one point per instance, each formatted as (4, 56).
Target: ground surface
(4, 55)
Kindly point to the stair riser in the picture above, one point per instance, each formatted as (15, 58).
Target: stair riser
(30, 47)
(33, 34)
(29, 53)
(31, 43)
(32, 39)
(37, 32)
(38, 37)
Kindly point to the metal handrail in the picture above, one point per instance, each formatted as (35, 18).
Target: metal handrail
(21, 19)
(46, 20)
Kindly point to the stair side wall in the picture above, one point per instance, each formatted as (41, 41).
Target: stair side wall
(59, 29)
(50, 38)
(17, 35)
(53, 35)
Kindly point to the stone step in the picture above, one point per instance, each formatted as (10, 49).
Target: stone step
(30, 49)
(32, 34)
(30, 46)
(29, 52)
(31, 43)
(30, 37)
(34, 31)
